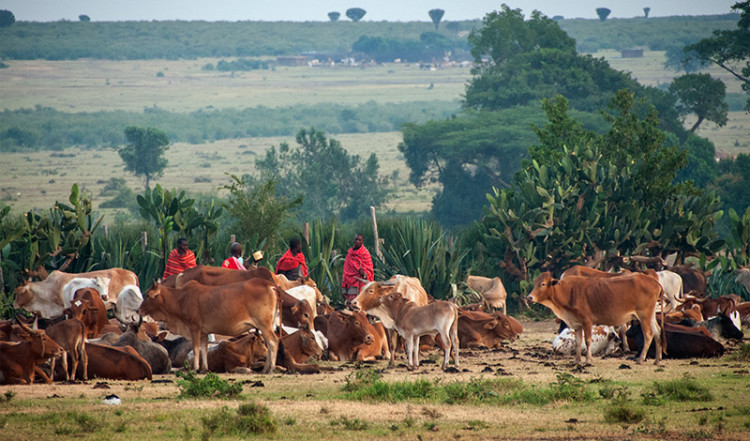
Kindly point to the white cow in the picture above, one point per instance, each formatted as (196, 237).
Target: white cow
(604, 341)
(671, 283)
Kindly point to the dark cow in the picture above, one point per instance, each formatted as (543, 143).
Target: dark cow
(720, 327)
(682, 341)
(155, 355)
(693, 280)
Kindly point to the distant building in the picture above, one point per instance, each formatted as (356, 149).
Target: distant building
(632, 53)
(292, 61)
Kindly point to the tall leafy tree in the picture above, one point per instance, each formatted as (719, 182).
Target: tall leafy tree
(355, 14)
(332, 182)
(436, 15)
(144, 154)
(603, 13)
(334, 16)
(701, 95)
(646, 11)
(7, 18)
(729, 50)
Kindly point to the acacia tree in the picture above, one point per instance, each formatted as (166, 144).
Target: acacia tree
(701, 95)
(727, 49)
(646, 11)
(334, 16)
(84, 18)
(603, 13)
(436, 15)
(144, 154)
(355, 14)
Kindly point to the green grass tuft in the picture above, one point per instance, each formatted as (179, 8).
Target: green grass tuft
(210, 386)
(685, 389)
(250, 418)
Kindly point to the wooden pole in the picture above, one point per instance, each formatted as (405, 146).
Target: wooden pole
(144, 241)
(232, 239)
(375, 233)
(306, 232)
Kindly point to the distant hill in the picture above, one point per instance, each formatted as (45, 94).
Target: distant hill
(66, 40)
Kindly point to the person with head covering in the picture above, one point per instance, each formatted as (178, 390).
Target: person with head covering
(180, 259)
(357, 267)
(257, 257)
(292, 264)
(235, 260)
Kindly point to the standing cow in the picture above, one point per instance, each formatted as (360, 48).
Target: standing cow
(583, 301)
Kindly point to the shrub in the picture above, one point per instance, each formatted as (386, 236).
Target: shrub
(251, 418)
(742, 353)
(210, 386)
(685, 389)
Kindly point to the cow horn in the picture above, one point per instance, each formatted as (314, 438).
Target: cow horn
(362, 280)
(346, 312)
(387, 283)
(25, 327)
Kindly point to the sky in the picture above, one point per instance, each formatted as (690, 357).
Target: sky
(317, 10)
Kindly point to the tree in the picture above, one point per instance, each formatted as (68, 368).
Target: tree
(603, 13)
(144, 154)
(727, 49)
(333, 182)
(6, 18)
(355, 14)
(646, 11)
(701, 95)
(84, 18)
(436, 15)
(334, 16)
(256, 208)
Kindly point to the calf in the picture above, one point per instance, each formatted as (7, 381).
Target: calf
(155, 355)
(345, 331)
(583, 301)
(296, 313)
(236, 355)
(604, 341)
(116, 363)
(412, 321)
(295, 349)
(71, 336)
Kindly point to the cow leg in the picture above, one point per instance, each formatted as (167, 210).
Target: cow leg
(204, 353)
(587, 335)
(84, 360)
(579, 338)
(454, 340)
(409, 354)
(393, 335)
(623, 339)
(272, 346)
(196, 340)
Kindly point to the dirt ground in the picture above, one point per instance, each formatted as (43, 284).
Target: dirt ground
(311, 399)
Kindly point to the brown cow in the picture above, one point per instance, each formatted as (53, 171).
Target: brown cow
(71, 336)
(692, 279)
(413, 321)
(369, 297)
(479, 329)
(491, 289)
(584, 271)
(46, 297)
(583, 301)
(296, 313)
(236, 355)
(19, 360)
(88, 307)
(345, 331)
(196, 310)
(116, 363)
(295, 349)
(379, 346)
(216, 275)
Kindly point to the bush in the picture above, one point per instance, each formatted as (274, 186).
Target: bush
(251, 418)
(210, 386)
(685, 389)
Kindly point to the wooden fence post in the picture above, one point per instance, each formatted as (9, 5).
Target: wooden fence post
(306, 232)
(375, 233)
(144, 241)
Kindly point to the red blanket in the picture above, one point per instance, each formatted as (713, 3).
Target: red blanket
(289, 262)
(177, 264)
(356, 259)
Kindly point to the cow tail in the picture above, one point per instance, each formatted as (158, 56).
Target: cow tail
(277, 310)
(663, 335)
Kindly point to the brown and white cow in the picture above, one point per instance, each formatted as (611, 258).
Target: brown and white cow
(491, 289)
(369, 297)
(412, 321)
(196, 310)
(46, 297)
(584, 301)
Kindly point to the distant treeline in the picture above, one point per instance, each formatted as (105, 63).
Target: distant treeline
(44, 128)
(66, 40)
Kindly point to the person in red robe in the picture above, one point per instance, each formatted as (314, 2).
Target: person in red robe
(292, 264)
(357, 266)
(180, 259)
(235, 260)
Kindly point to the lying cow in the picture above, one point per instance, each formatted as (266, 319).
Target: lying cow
(295, 349)
(346, 331)
(196, 310)
(582, 301)
(721, 327)
(682, 341)
(19, 360)
(412, 321)
(477, 329)
(155, 355)
(236, 355)
(604, 341)
(116, 363)
(492, 290)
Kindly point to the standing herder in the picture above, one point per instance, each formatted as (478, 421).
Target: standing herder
(180, 259)
(235, 260)
(357, 266)
(292, 264)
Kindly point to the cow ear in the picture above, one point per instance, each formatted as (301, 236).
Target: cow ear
(553, 282)
(490, 325)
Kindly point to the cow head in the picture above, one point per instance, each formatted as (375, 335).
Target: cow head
(369, 296)
(153, 303)
(24, 296)
(302, 311)
(42, 346)
(544, 288)
(308, 345)
(128, 302)
(356, 325)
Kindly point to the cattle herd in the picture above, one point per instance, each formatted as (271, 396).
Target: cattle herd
(222, 320)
